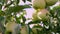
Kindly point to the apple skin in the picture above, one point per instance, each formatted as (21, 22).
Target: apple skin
(10, 26)
(38, 4)
(50, 2)
(34, 15)
(42, 14)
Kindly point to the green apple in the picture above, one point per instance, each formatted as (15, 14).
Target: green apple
(24, 30)
(34, 30)
(43, 14)
(37, 28)
(50, 2)
(38, 4)
(34, 16)
(10, 26)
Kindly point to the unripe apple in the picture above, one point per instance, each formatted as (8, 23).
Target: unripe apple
(10, 26)
(24, 29)
(50, 2)
(37, 28)
(34, 16)
(38, 4)
(34, 30)
(43, 14)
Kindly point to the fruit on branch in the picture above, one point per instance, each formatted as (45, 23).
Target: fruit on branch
(34, 16)
(50, 2)
(24, 29)
(38, 4)
(42, 14)
(10, 26)
(37, 28)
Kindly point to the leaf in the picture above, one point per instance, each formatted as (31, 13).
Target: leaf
(17, 8)
(34, 22)
(1, 24)
(17, 1)
(29, 0)
(24, 0)
(18, 20)
(5, 1)
(8, 32)
(57, 10)
(0, 6)
(24, 19)
(1, 1)
(37, 26)
(1, 18)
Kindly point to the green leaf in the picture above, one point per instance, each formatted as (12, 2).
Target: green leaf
(34, 22)
(8, 32)
(5, 1)
(1, 1)
(29, 0)
(18, 20)
(17, 1)
(2, 13)
(1, 18)
(57, 10)
(0, 6)
(24, 0)
(37, 26)
(2, 28)
(17, 8)
(24, 19)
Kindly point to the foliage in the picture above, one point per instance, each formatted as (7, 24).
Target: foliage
(8, 15)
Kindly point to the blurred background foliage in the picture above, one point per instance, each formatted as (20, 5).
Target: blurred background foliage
(10, 23)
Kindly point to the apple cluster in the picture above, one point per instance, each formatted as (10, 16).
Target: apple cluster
(41, 12)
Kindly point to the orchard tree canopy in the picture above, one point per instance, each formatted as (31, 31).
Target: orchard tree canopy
(29, 16)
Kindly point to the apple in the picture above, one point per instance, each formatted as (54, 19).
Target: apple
(50, 2)
(42, 14)
(10, 26)
(38, 4)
